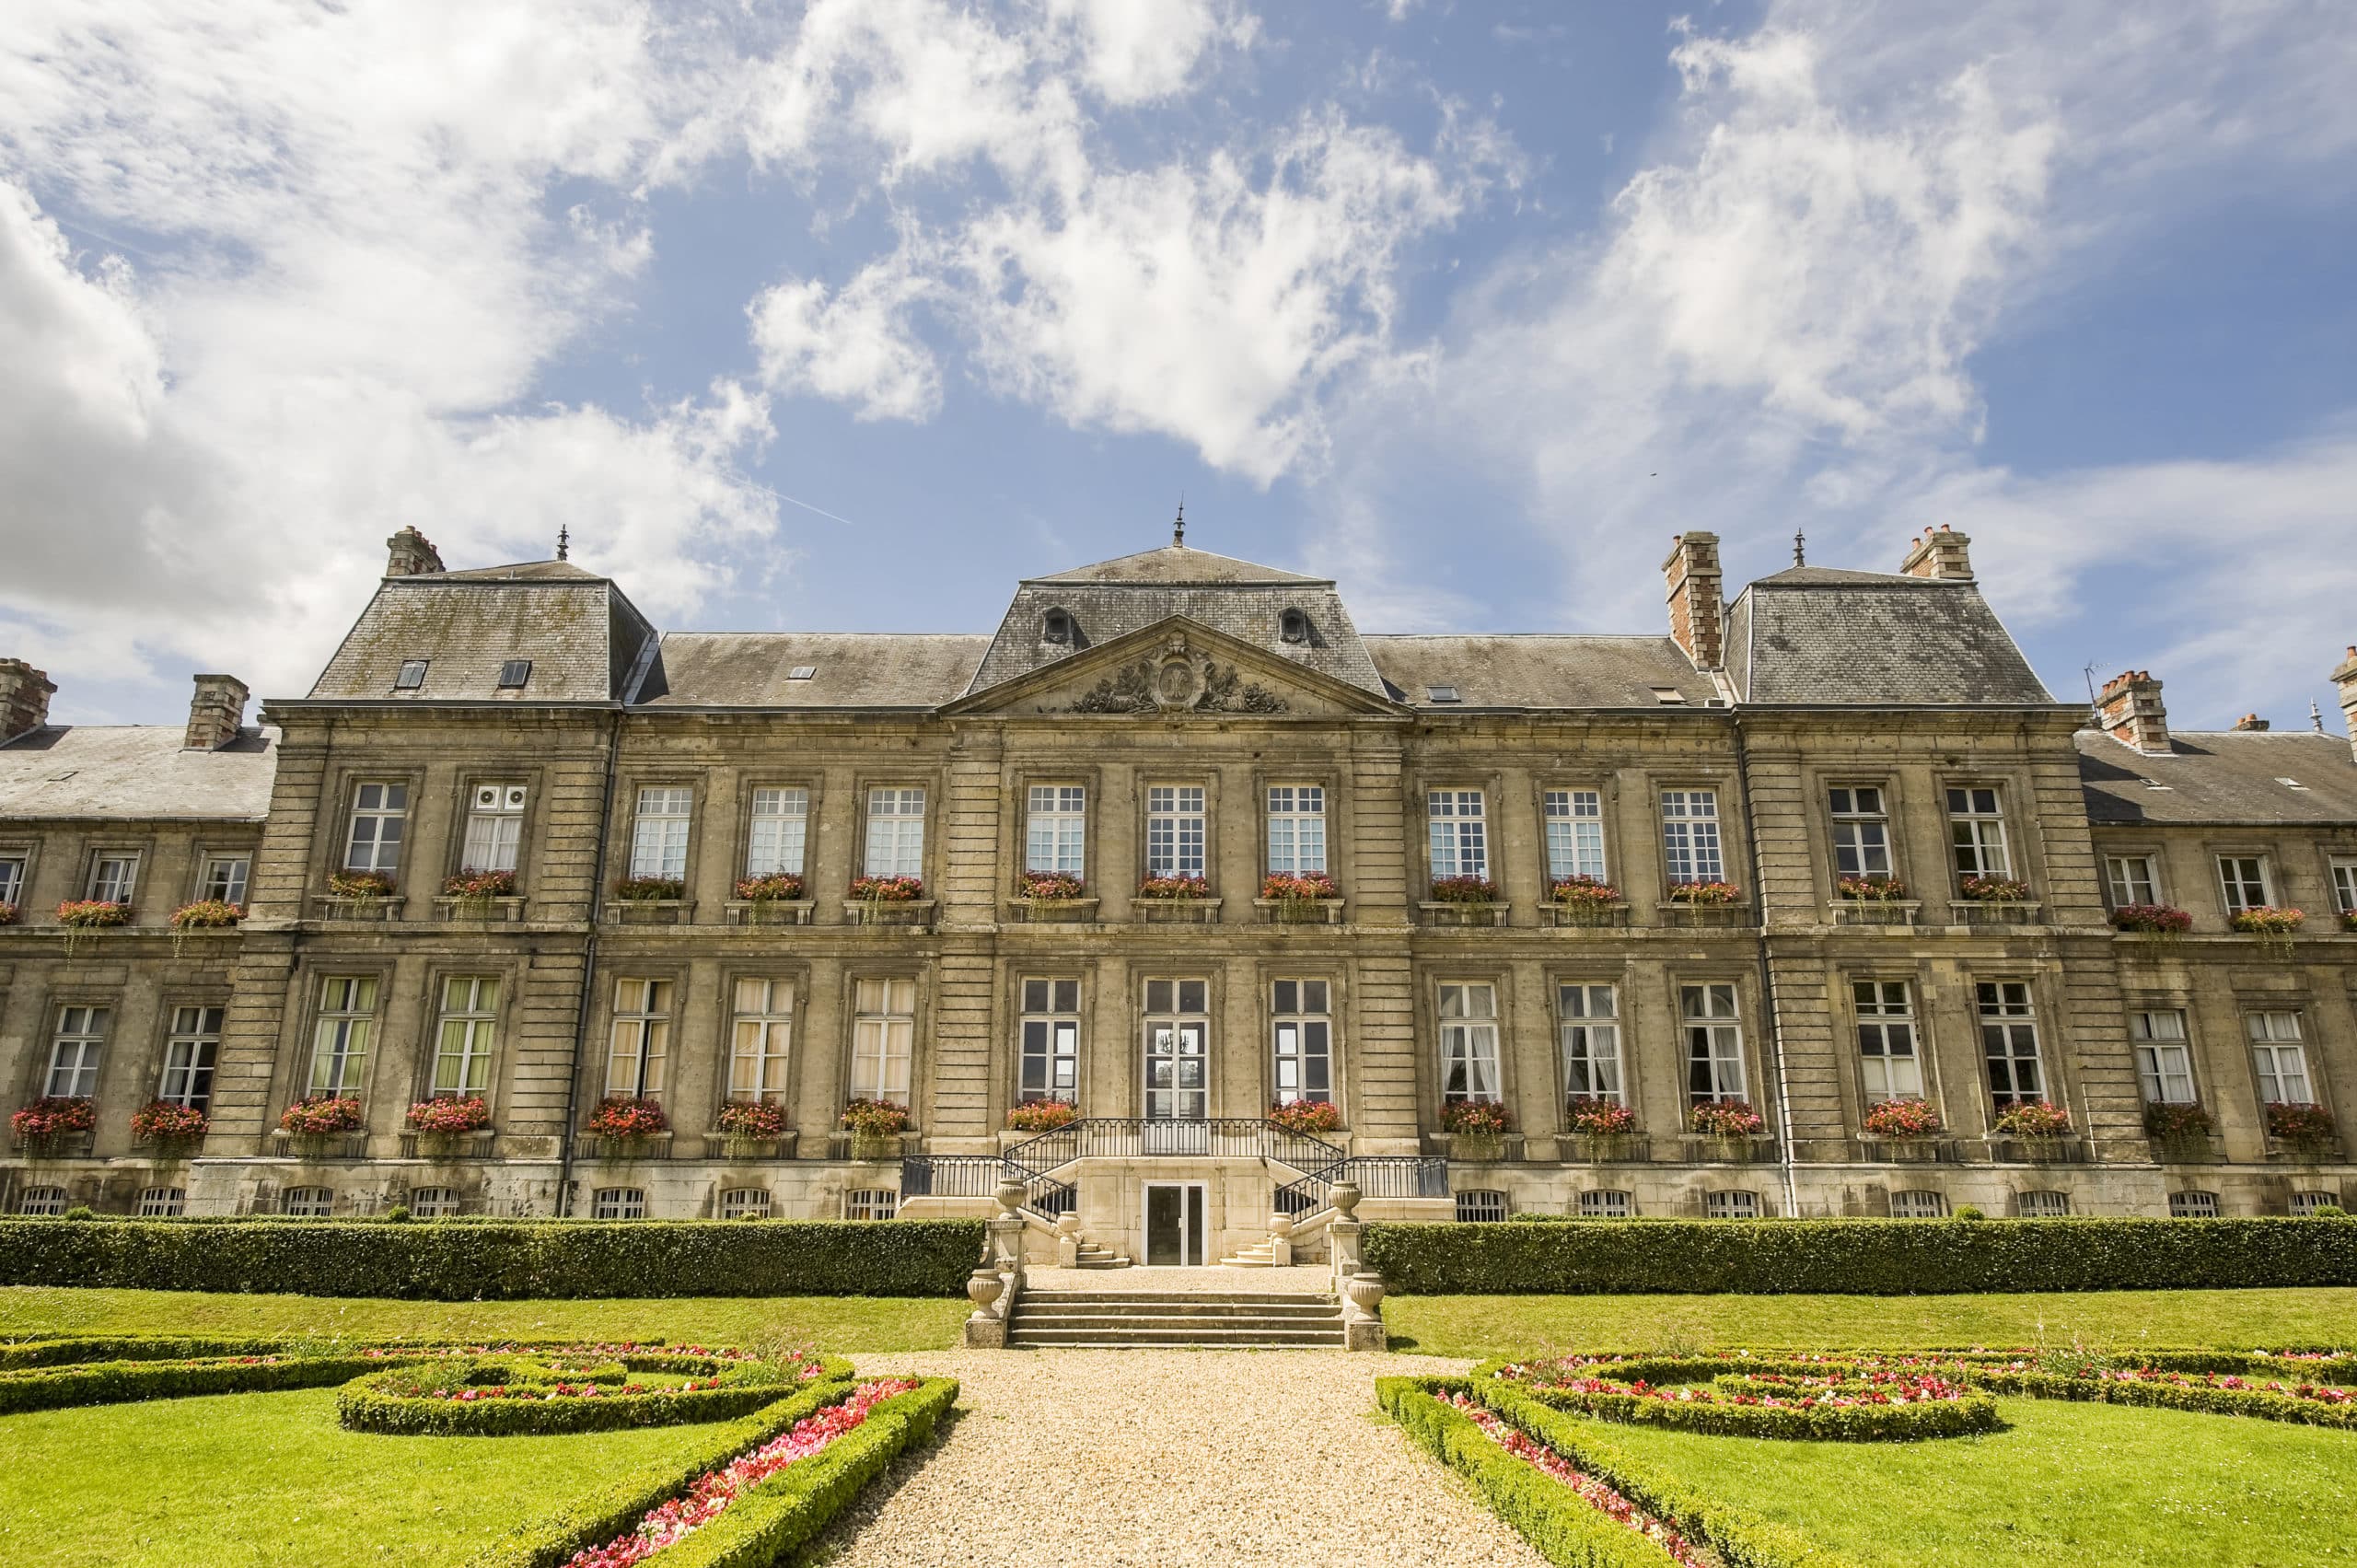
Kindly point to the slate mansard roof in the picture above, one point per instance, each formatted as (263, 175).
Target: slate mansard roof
(2236, 778)
(587, 641)
(1814, 635)
(135, 773)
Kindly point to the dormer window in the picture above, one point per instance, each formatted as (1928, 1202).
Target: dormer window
(1442, 693)
(1055, 627)
(1294, 625)
(411, 676)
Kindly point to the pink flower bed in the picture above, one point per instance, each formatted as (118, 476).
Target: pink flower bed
(714, 1489)
(1881, 1387)
(1596, 1493)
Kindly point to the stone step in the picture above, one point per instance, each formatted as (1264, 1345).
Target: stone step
(1118, 1324)
(1108, 1301)
(1173, 1345)
(1222, 1339)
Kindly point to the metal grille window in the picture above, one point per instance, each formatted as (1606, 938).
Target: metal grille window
(1887, 1044)
(1731, 1205)
(2279, 1057)
(1468, 1044)
(2130, 879)
(225, 879)
(895, 832)
(308, 1203)
(781, 827)
(1459, 834)
(639, 1047)
(1590, 1018)
(190, 1052)
(73, 1053)
(2306, 1203)
(2193, 1205)
(659, 831)
(1713, 1042)
(760, 1037)
(883, 1039)
(1055, 834)
(1574, 833)
(494, 827)
(465, 1035)
(745, 1204)
(2164, 1064)
(433, 1202)
(340, 1040)
(1608, 1205)
(1303, 1035)
(2344, 886)
(1177, 1050)
(1861, 831)
(871, 1204)
(1050, 1066)
(1977, 832)
(618, 1204)
(1296, 829)
(1918, 1204)
(1481, 1208)
(162, 1202)
(113, 877)
(380, 816)
(1690, 836)
(45, 1201)
(12, 878)
(1174, 830)
(2009, 1042)
(2243, 879)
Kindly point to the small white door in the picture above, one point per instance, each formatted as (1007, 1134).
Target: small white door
(1174, 1224)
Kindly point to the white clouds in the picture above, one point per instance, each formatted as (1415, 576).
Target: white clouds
(855, 347)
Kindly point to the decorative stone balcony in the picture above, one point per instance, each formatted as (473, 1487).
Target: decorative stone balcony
(1051, 912)
(2039, 1150)
(746, 914)
(594, 1150)
(1680, 915)
(1875, 912)
(907, 914)
(1696, 1148)
(1299, 911)
(479, 1145)
(1995, 911)
(1583, 917)
(318, 1147)
(750, 1151)
(1177, 912)
(1909, 1150)
(333, 906)
(650, 911)
(1608, 1149)
(1438, 912)
(491, 912)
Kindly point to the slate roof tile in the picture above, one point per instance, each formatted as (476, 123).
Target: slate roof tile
(135, 772)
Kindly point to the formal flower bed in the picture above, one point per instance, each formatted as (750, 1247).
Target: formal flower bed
(774, 887)
(1042, 1115)
(887, 889)
(1463, 890)
(874, 1118)
(757, 1120)
(1870, 890)
(91, 914)
(1175, 888)
(2153, 920)
(2032, 1118)
(1582, 890)
(1306, 1116)
(622, 1118)
(2177, 1119)
(480, 887)
(2299, 1123)
(1476, 1119)
(651, 890)
(1899, 1118)
(323, 1115)
(54, 1116)
(1304, 888)
(1704, 894)
(448, 1116)
(1051, 887)
(207, 914)
(1591, 1490)
(166, 1123)
(1886, 1405)
(1592, 1116)
(1724, 1119)
(2303, 1404)
(1993, 890)
(362, 884)
(2268, 920)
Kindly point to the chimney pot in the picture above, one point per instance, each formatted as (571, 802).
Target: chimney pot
(2132, 714)
(410, 553)
(2251, 722)
(24, 698)
(1942, 552)
(1697, 605)
(217, 713)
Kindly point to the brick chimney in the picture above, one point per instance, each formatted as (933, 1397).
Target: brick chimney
(215, 713)
(2251, 722)
(24, 698)
(1696, 611)
(413, 554)
(1941, 553)
(2132, 711)
(2344, 676)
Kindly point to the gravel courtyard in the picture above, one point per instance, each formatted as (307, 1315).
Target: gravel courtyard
(1147, 1457)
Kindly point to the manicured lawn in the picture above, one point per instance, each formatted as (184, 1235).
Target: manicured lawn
(2067, 1484)
(1534, 1326)
(837, 1324)
(271, 1478)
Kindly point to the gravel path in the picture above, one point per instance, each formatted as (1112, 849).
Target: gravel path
(1147, 1457)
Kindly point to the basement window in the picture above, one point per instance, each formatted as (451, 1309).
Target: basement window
(803, 672)
(745, 1204)
(513, 673)
(1442, 694)
(871, 1204)
(1606, 1204)
(1481, 1208)
(411, 676)
(1731, 1205)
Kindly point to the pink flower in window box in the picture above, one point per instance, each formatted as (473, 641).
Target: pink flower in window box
(1724, 1119)
(1041, 1116)
(1596, 1117)
(2034, 1119)
(448, 1115)
(887, 889)
(323, 1115)
(1306, 1116)
(757, 1120)
(1900, 1118)
(625, 1117)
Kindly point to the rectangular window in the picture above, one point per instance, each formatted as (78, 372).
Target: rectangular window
(2243, 879)
(340, 1043)
(1051, 1067)
(46, 1202)
(1481, 1208)
(2193, 1205)
(2279, 1057)
(433, 1202)
(379, 815)
(12, 880)
(2046, 1205)
(1302, 1033)
(1690, 836)
(190, 1052)
(1468, 1044)
(781, 826)
(895, 832)
(618, 1204)
(640, 1045)
(466, 1034)
(494, 827)
(1861, 832)
(745, 1204)
(114, 877)
(308, 1203)
(1590, 1019)
(1918, 1204)
(1055, 834)
(1608, 1205)
(1177, 1050)
(2130, 879)
(760, 1035)
(1574, 833)
(2344, 886)
(1731, 1205)
(1713, 1042)
(883, 1039)
(659, 831)
(2306, 1203)
(870, 1203)
(2009, 1042)
(1887, 1047)
(1459, 834)
(225, 879)
(1174, 830)
(1296, 829)
(73, 1055)
(162, 1202)
(1977, 832)
(2163, 1063)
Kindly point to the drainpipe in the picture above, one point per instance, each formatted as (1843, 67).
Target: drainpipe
(1768, 981)
(588, 969)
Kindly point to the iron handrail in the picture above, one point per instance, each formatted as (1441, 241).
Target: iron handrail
(1126, 1137)
(1375, 1176)
(978, 1176)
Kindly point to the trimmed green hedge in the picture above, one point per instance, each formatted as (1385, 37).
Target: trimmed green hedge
(1722, 1418)
(392, 1402)
(2255, 1402)
(1859, 1257)
(122, 1382)
(502, 1261)
(25, 1354)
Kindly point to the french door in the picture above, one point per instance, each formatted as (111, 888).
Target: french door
(1174, 1224)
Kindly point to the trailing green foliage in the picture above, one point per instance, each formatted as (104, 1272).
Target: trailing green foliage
(401, 1401)
(1859, 1257)
(2257, 1403)
(436, 1261)
(118, 1382)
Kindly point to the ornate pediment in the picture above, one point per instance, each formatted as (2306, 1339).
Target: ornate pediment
(1175, 668)
(1177, 679)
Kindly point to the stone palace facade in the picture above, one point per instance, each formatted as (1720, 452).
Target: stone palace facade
(1811, 905)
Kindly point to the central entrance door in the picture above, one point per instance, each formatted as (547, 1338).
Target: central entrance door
(1174, 1224)
(1178, 1068)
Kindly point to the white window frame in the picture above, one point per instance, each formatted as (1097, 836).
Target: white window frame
(871, 1204)
(2132, 879)
(1301, 1041)
(308, 1203)
(433, 1202)
(1977, 841)
(47, 1201)
(2007, 1014)
(114, 876)
(1296, 829)
(2242, 876)
(494, 826)
(1711, 1013)
(2344, 884)
(883, 1038)
(1919, 1203)
(1575, 823)
(662, 816)
(777, 832)
(342, 1034)
(2279, 1057)
(227, 877)
(1458, 828)
(379, 825)
(1055, 828)
(2193, 1205)
(1047, 1041)
(76, 1050)
(1482, 1205)
(638, 1040)
(761, 1037)
(745, 1203)
(1471, 1066)
(2303, 1203)
(1735, 1203)
(162, 1202)
(1691, 848)
(2164, 1056)
(1890, 1053)
(2044, 1204)
(192, 1053)
(1178, 1048)
(1607, 1204)
(895, 831)
(618, 1204)
(1588, 1016)
(1176, 831)
(15, 868)
(466, 1034)
(1861, 828)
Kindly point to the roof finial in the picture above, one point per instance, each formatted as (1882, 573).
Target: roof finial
(2315, 717)
(1179, 528)
(563, 541)
(1800, 548)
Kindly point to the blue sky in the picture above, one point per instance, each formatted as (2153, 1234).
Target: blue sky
(846, 315)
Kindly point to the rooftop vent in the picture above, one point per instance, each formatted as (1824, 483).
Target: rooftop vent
(1293, 624)
(412, 677)
(1669, 695)
(803, 672)
(513, 673)
(1442, 694)
(2291, 783)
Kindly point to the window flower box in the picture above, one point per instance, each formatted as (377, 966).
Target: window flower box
(8, 913)
(1895, 1120)
(1462, 912)
(2178, 1122)
(1050, 898)
(913, 914)
(624, 1151)
(371, 907)
(2275, 928)
(1875, 912)
(650, 911)
(1870, 890)
(622, 1126)
(1682, 915)
(445, 1123)
(1907, 1151)
(480, 896)
(1307, 1116)
(93, 915)
(1583, 903)
(322, 1115)
(2151, 920)
(54, 1125)
(1992, 890)
(775, 899)
(1477, 1128)
(2032, 1119)
(2301, 1126)
(875, 1127)
(2348, 919)
(207, 914)
(1176, 901)
(168, 1126)
(748, 1129)
(362, 885)
(1724, 1119)
(1994, 911)
(476, 1146)
(2037, 1151)
(1034, 1117)
(1308, 898)
(887, 890)
(1704, 1148)
(1603, 1130)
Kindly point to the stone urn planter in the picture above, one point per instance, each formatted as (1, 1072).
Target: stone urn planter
(984, 1288)
(1366, 1292)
